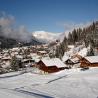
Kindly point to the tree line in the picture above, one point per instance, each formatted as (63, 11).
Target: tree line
(87, 35)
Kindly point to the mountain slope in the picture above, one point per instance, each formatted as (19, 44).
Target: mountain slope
(45, 36)
(10, 42)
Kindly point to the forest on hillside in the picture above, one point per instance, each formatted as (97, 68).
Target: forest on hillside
(87, 35)
(8, 42)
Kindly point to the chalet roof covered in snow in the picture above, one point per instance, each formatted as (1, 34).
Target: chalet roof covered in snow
(53, 62)
(75, 60)
(43, 52)
(92, 59)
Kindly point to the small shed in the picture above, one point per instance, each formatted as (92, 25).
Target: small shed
(51, 65)
(90, 61)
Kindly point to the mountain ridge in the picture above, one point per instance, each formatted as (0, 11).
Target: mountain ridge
(46, 36)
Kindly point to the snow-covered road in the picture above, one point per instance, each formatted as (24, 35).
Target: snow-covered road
(66, 84)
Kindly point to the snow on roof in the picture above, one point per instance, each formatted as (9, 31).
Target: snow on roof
(83, 52)
(25, 60)
(33, 54)
(6, 58)
(92, 59)
(37, 59)
(14, 49)
(75, 60)
(42, 51)
(53, 62)
(19, 56)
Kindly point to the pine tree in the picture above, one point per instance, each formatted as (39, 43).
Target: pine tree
(70, 39)
(90, 52)
(62, 48)
(93, 27)
(15, 64)
(79, 31)
(74, 36)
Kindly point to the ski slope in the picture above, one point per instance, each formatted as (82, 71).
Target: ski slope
(72, 83)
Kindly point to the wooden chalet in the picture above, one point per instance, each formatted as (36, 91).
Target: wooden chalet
(72, 61)
(51, 65)
(89, 61)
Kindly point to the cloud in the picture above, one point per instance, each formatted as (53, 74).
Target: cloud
(23, 34)
(69, 26)
(7, 23)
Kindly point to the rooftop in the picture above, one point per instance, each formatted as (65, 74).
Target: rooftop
(92, 59)
(53, 62)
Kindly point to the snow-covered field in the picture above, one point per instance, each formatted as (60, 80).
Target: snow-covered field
(71, 83)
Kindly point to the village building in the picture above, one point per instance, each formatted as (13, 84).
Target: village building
(89, 61)
(27, 62)
(42, 53)
(50, 65)
(71, 61)
(5, 62)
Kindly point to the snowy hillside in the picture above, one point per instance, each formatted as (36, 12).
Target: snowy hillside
(45, 36)
(71, 83)
(80, 50)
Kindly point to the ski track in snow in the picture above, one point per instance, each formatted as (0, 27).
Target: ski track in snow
(56, 79)
(66, 84)
(25, 93)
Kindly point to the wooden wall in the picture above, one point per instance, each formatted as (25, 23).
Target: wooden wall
(85, 63)
(49, 69)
